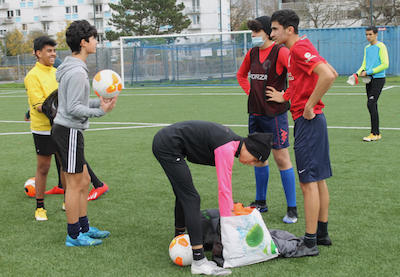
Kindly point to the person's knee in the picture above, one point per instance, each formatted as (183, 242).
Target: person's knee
(371, 104)
(282, 159)
(43, 168)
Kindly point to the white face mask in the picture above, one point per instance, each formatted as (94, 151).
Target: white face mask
(258, 41)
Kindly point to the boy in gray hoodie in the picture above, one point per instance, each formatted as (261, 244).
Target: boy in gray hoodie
(74, 110)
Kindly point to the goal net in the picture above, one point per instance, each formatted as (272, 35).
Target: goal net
(183, 59)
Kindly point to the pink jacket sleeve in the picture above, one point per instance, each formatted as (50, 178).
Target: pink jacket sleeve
(224, 158)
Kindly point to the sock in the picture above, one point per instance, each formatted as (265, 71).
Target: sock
(289, 186)
(84, 223)
(39, 203)
(310, 240)
(58, 172)
(322, 230)
(179, 231)
(73, 230)
(262, 176)
(93, 178)
(198, 254)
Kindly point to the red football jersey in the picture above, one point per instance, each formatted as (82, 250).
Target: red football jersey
(303, 59)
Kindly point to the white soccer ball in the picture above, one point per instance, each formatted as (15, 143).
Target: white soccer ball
(30, 188)
(180, 250)
(107, 83)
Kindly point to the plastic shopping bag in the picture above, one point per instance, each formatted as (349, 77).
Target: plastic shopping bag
(246, 240)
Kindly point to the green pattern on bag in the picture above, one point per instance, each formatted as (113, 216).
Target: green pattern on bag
(255, 235)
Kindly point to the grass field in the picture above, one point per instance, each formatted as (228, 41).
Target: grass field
(138, 209)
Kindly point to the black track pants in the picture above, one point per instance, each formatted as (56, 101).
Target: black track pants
(187, 203)
(374, 89)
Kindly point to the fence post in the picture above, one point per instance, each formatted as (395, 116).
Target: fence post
(19, 76)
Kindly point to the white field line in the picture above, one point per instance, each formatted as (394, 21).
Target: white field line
(10, 93)
(151, 125)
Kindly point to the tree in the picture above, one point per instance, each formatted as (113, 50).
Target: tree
(31, 37)
(385, 12)
(241, 11)
(15, 43)
(61, 39)
(320, 14)
(146, 17)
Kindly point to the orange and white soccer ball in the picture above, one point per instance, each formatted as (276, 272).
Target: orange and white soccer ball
(30, 188)
(180, 250)
(107, 83)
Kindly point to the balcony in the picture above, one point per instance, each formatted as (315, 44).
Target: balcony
(4, 6)
(192, 10)
(46, 3)
(194, 26)
(7, 20)
(46, 18)
(98, 15)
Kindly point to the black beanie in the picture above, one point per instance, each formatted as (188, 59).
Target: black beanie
(266, 23)
(259, 145)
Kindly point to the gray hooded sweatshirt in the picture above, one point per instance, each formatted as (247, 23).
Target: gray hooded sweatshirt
(74, 106)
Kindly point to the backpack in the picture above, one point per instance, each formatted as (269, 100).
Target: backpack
(50, 105)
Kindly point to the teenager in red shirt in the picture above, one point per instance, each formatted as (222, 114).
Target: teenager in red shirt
(310, 77)
(267, 64)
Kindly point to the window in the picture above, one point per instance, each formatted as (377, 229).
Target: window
(46, 26)
(67, 9)
(74, 9)
(100, 38)
(99, 24)
(99, 9)
(196, 19)
(10, 14)
(17, 12)
(24, 27)
(3, 32)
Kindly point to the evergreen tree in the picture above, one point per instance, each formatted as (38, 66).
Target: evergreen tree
(146, 17)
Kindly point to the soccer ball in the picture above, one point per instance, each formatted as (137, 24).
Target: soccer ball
(180, 250)
(30, 188)
(107, 83)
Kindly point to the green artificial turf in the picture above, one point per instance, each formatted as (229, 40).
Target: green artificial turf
(138, 209)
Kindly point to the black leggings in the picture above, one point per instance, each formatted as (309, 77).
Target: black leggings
(374, 89)
(187, 202)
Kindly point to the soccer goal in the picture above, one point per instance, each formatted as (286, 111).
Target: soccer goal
(183, 59)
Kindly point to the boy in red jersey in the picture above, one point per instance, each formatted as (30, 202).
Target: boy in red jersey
(267, 63)
(310, 77)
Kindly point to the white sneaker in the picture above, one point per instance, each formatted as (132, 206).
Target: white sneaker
(208, 268)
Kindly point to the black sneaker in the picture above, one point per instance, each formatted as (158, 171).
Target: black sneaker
(303, 250)
(261, 208)
(325, 240)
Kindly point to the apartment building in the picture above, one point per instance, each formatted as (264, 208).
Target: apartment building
(51, 16)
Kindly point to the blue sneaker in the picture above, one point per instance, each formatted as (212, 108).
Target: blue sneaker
(291, 215)
(82, 240)
(94, 233)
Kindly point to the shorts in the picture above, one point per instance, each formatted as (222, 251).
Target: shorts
(278, 125)
(69, 145)
(311, 147)
(44, 145)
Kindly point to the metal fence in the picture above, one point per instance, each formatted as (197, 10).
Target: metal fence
(208, 60)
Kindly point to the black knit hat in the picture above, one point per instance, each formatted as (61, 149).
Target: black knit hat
(259, 145)
(266, 23)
